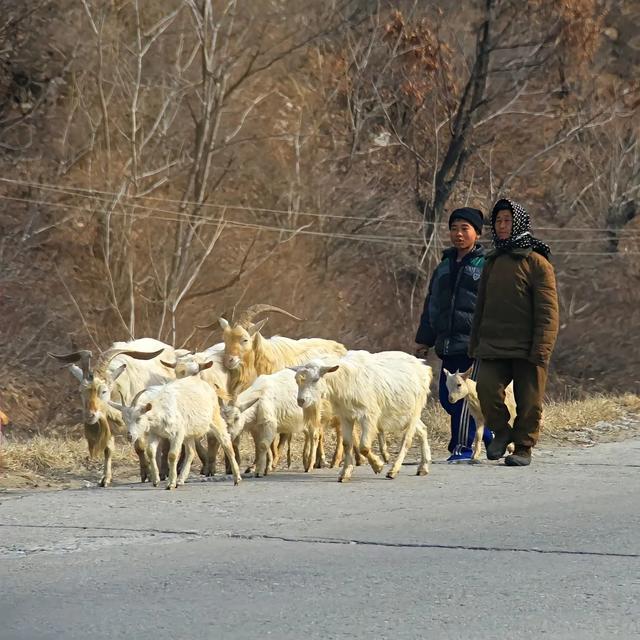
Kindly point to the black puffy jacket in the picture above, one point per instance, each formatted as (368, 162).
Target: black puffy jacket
(448, 310)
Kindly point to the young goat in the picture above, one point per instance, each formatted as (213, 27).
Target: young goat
(461, 386)
(268, 408)
(181, 411)
(376, 390)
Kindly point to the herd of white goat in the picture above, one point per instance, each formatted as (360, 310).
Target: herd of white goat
(170, 400)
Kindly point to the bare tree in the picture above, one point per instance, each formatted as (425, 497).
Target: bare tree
(170, 106)
(435, 99)
(606, 193)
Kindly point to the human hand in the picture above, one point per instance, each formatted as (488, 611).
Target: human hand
(421, 351)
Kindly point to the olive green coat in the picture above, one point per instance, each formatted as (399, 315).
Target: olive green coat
(516, 313)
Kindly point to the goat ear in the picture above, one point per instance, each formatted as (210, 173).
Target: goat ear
(446, 372)
(115, 405)
(169, 365)
(118, 372)
(255, 328)
(467, 373)
(296, 369)
(206, 365)
(324, 370)
(224, 324)
(76, 372)
(146, 408)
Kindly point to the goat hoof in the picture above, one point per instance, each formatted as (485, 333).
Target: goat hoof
(171, 487)
(104, 482)
(422, 471)
(391, 475)
(156, 483)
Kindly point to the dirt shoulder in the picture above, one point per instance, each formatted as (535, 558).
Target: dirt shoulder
(62, 463)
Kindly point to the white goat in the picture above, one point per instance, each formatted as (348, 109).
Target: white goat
(267, 408)
(377, 390)
(461, 386)
(121, 371)
(181, 411)
(207, 365)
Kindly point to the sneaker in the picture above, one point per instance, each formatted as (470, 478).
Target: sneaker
(456, 458)
(521, 457)
(498, 446)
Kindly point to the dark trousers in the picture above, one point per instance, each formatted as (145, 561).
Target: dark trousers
(463, 426)
(529, 382)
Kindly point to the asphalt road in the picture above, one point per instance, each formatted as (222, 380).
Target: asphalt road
(486, 551)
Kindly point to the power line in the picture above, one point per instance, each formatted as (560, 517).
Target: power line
(235, 223)
(179, 216)
(390, 240)
(90, 193)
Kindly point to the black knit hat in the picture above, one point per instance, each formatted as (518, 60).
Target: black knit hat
(473, 216)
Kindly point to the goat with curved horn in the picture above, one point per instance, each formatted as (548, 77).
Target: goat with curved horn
(106, 378)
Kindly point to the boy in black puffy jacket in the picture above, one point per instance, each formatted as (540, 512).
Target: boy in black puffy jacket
(447, 319)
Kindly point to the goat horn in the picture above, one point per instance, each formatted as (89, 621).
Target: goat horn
(110, 354)
(84, 356)
(135, 398)
(247, 316)
(207, 326)
(171, 365)
(124, 404)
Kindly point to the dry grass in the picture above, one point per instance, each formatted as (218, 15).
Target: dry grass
(61, 459)
(57, 460)
(574, 414)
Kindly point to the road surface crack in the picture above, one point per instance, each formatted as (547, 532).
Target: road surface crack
(427, 545)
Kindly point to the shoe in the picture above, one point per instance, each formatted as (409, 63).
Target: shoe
(521, 457)
(498, 446)
(456, 458)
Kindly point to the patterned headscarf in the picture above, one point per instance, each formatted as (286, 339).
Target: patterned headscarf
(520, 237)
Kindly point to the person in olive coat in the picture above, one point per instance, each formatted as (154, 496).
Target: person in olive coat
(514, 331)
(447, 318)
